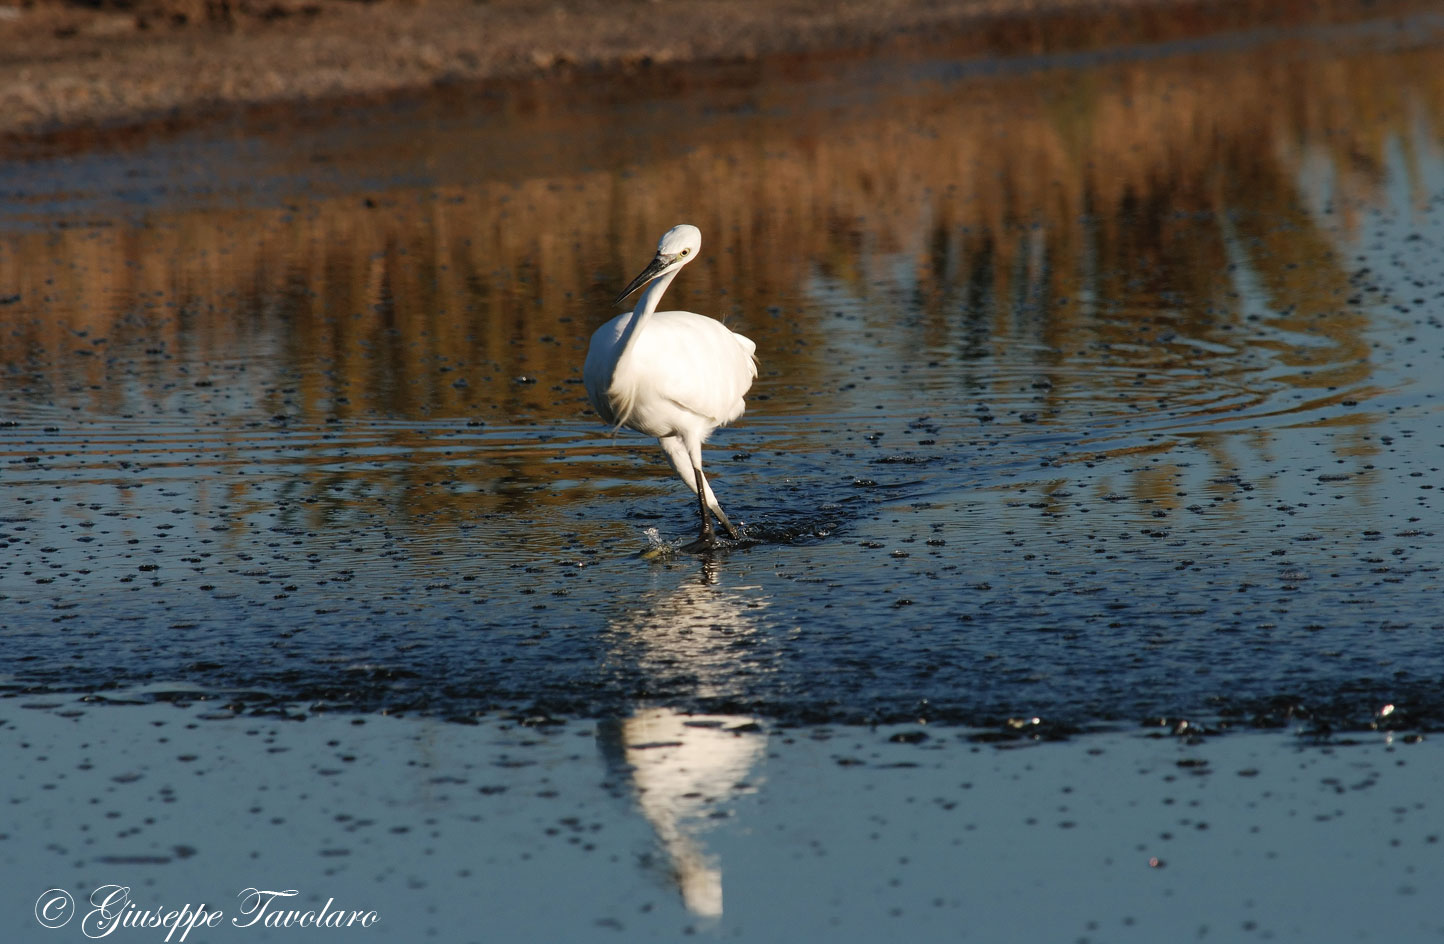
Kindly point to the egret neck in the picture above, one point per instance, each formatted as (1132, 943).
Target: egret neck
(651, 296)
(646, 304)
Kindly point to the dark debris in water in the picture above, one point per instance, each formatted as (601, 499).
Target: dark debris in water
(1416, 709)
(1024, 495)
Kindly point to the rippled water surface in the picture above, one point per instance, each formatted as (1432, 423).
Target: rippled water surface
(1091, 390)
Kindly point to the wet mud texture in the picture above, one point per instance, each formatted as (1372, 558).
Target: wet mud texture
(1092, 391)
(78, 69)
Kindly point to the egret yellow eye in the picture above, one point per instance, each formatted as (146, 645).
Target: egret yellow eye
(685, 251)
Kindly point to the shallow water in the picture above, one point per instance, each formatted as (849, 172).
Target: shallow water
(1093, 389)
(656, 826)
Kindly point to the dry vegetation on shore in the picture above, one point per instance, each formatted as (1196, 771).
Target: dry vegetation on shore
(68, 64)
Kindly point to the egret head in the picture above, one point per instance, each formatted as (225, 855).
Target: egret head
(677, 247)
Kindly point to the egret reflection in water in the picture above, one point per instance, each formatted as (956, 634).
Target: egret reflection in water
(684, 771)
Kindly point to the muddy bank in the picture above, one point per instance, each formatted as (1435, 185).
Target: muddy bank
(102, 66)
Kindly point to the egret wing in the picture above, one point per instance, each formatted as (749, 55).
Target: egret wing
(696, 363)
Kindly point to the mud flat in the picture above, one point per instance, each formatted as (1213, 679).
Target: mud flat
(86, 67)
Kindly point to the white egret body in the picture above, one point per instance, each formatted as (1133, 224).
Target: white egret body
(674, 375)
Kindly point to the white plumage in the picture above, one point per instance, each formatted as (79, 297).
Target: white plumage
(674, 375)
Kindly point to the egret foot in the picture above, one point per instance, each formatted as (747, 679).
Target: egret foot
(707, 539)
(704, 545)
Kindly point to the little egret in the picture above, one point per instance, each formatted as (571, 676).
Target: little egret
(674, 375)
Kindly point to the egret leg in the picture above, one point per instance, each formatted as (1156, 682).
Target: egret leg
(707, 537)
(694, 452)
(709, 502)
(686, 458)
(731, 530)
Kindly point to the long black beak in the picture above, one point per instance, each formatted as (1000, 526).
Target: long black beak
(653, 269)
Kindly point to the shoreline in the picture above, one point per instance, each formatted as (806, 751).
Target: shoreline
(85, 74)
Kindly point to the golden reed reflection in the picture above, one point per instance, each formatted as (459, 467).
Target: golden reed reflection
(1107, 203)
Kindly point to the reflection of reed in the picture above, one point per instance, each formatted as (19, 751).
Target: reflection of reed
(1007, 194)
(484, 269)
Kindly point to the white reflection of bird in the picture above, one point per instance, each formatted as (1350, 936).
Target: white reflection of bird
(674, 375)
(686, 772)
